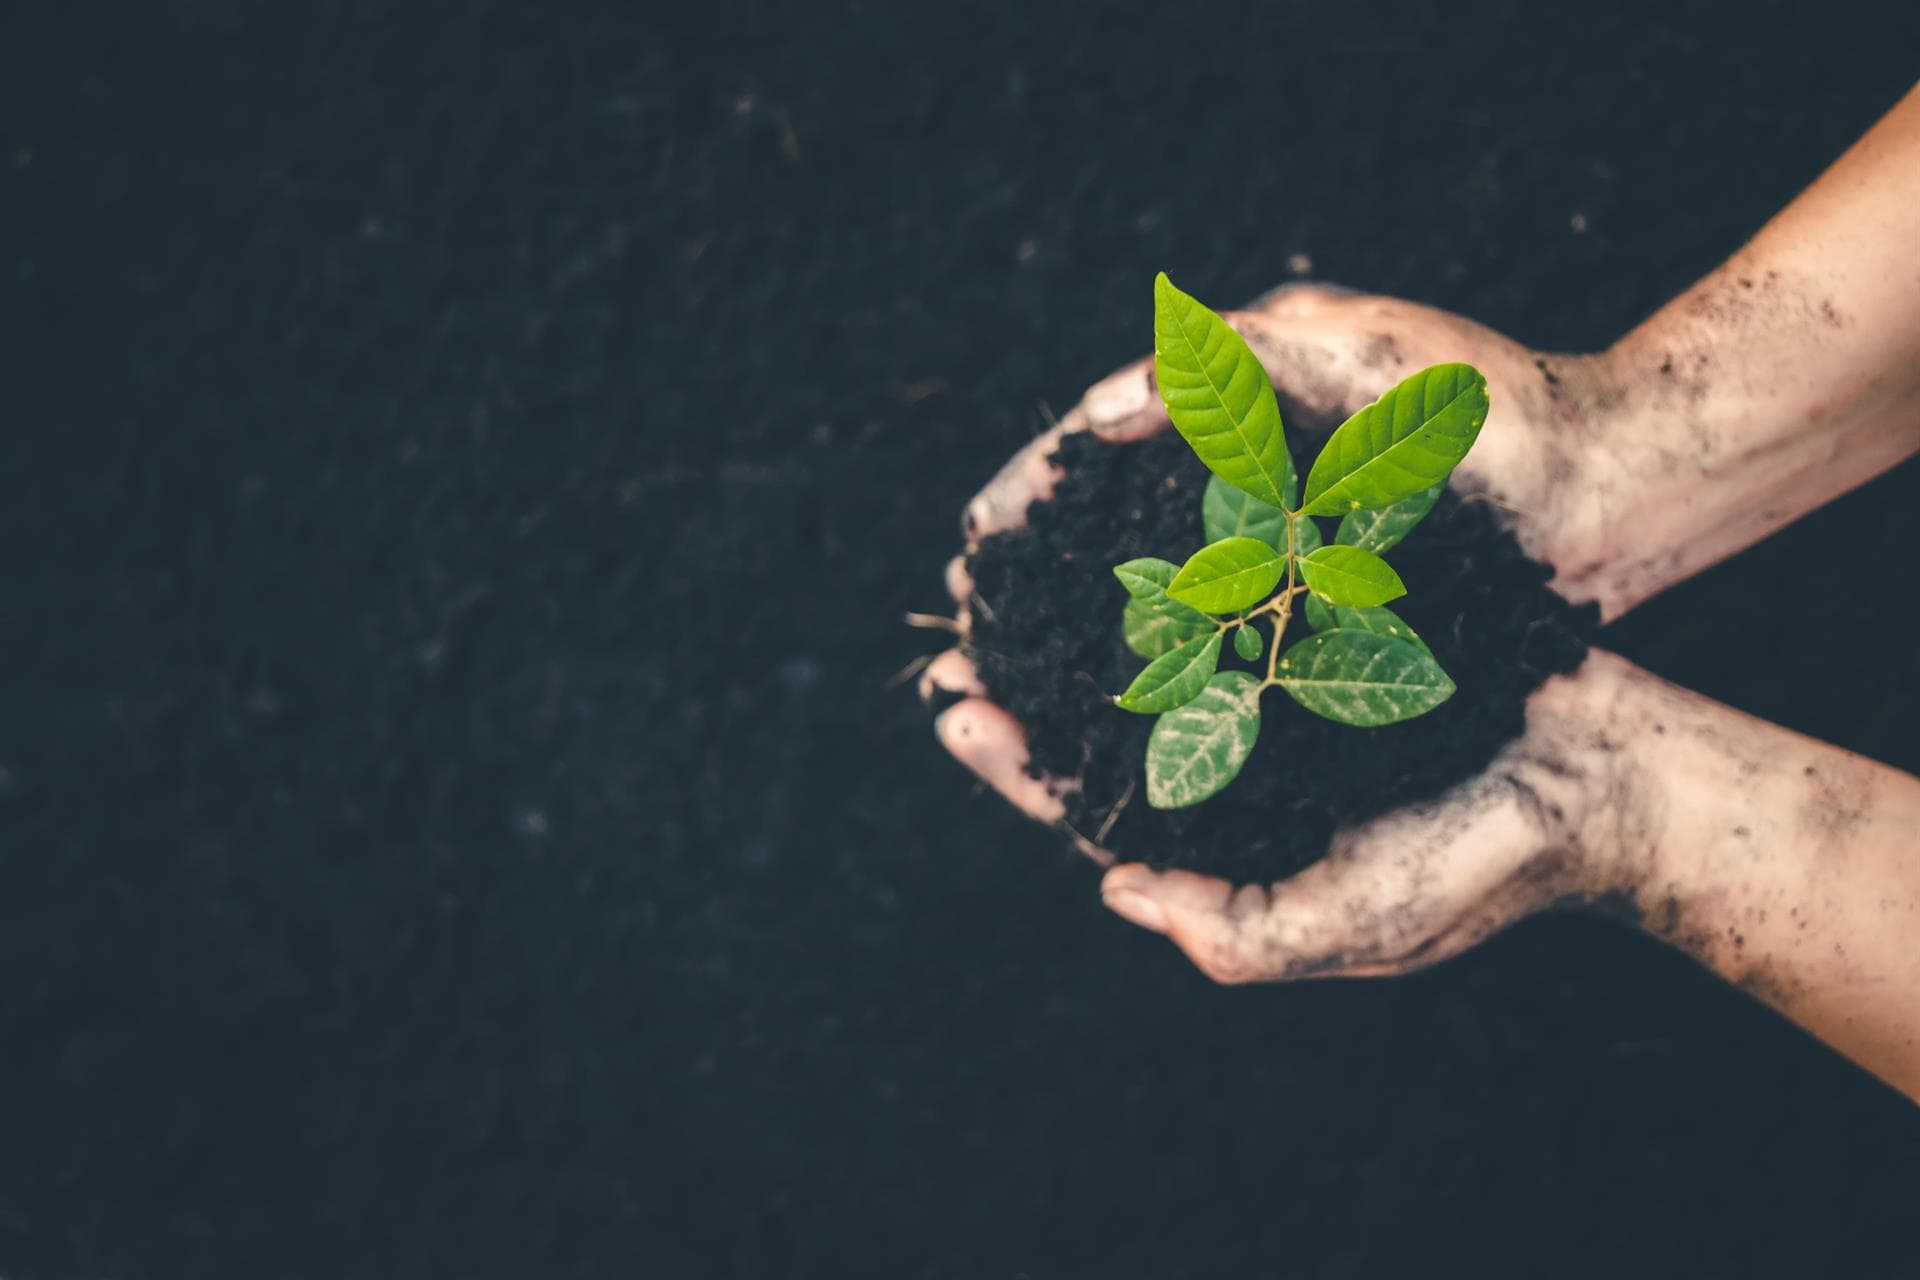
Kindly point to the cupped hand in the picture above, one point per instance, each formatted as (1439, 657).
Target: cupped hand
(1561, 816)
(1421, 883)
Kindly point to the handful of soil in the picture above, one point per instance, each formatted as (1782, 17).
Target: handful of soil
(1048, 647)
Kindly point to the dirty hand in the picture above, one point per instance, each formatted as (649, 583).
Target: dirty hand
(1781, 380)
(1419, 884)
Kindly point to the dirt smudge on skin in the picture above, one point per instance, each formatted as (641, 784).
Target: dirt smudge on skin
(1381, 351)
(1770, 984)
(1838, 806)
(1314, 395)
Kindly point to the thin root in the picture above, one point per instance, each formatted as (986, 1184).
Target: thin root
(1099, 856)
(935, 622)
(1113, 814)
(909, 671)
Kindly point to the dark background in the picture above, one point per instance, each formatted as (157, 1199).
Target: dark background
(463, 469)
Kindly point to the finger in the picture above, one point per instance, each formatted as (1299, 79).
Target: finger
(1154, 900)
(1125, 405)
(959, 581)
(991, 743)
(1230, 934)
(1027, 477)
(1302, 298)
(1322, 361)
(952, 672)
(1402, 892)
(960, 586)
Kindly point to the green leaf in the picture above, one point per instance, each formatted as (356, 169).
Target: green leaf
(1218, 396)
(1383, 622)
(1409, 439)
(1146, 580)
(1151, 634)
(1199, 748)
(1246, 643)
(1226, 512)
(1378, 530)
(1228, 576)
(1174, 677)
(1351, 576)
(1360, 678)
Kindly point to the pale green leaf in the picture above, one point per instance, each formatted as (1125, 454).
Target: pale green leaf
(1380, 621)
(1174, 677)
(1200, 747)
(1361, 678)
(1218, 396)
(1151, 634)
(1228, 576)
(1146, 581)
(1351, 576)
(1227, 512)
(1409, 439)
(1246, 643)
(1378, 530)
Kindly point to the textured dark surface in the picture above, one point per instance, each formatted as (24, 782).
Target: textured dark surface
(1048, 646)
(463, 468)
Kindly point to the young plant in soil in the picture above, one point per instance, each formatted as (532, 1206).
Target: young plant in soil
(1381, 471)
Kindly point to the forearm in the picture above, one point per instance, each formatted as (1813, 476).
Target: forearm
(1782, 380)
(1788, 866)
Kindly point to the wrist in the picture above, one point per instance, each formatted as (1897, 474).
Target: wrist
(1670, 784)
(1582, 513)
(1712, 430)
(1711, 811)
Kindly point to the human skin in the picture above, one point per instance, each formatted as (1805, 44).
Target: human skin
(1785, 378)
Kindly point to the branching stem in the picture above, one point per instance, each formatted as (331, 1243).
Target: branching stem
(1282, 608)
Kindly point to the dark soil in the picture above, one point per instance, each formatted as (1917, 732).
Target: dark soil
(1048, 647)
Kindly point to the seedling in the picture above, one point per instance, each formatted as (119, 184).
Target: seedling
(1380, 472)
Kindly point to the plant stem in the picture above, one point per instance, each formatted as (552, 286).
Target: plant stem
(1273, 605)
(1283, 614)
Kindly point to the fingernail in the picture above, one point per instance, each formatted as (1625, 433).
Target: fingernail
(1118, 397)
(1137, 908)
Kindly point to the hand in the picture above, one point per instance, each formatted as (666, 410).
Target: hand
(1561, 816)
(1420, 884)
(1779, 381)
(1547, 455)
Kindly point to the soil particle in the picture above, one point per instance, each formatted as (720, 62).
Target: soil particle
(1051, 653)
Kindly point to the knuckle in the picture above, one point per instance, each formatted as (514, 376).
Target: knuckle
(1231, 957)
(1226, 970)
